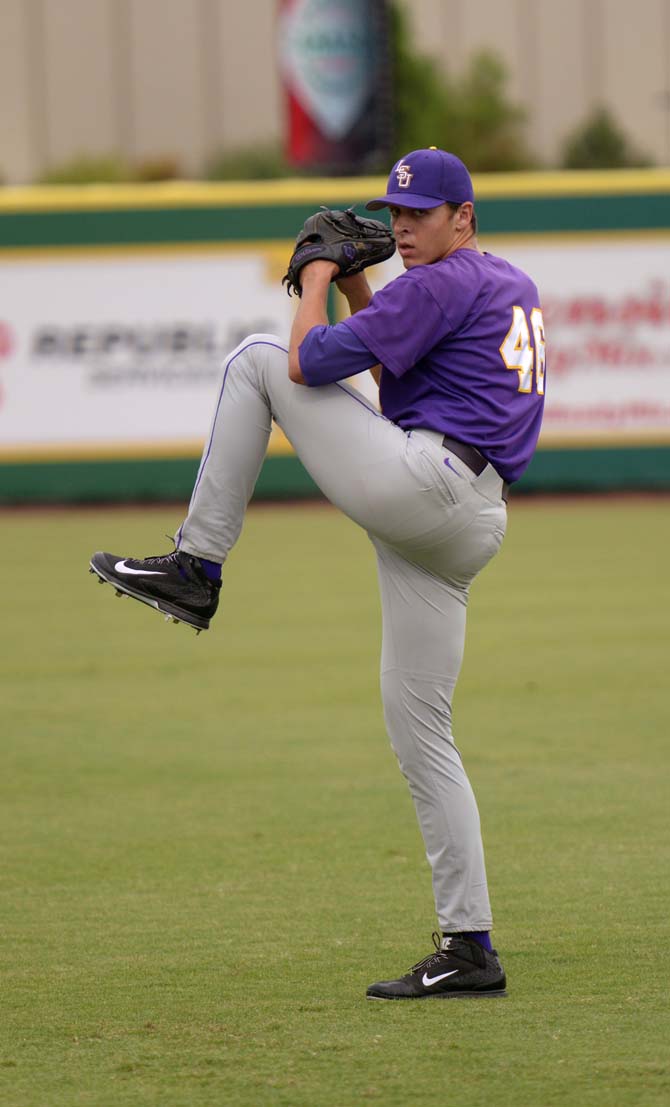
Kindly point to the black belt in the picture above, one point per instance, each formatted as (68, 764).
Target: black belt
(472, 458)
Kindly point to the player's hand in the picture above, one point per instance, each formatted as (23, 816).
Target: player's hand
(320, 267)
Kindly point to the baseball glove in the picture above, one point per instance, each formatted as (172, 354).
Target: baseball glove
(351, 242)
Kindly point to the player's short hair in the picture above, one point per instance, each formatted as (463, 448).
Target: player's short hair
(455, 207)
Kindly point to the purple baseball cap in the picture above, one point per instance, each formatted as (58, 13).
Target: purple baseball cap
(426, 179)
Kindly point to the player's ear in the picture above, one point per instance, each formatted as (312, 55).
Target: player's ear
(464, 215)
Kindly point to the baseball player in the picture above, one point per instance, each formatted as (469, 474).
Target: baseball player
(457, 345)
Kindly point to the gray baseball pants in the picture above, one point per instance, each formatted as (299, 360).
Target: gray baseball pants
(434, 525)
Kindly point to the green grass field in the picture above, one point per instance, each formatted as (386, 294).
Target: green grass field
(209, 852)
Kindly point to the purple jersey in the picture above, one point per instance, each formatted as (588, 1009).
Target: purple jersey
(461, 343)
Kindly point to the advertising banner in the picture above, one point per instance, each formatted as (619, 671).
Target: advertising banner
(120, 353)
(335, 70)
(108, 354)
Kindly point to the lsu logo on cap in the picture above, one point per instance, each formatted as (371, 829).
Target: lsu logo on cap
(404, 175)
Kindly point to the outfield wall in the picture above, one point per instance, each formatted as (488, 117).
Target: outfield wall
(117, 306)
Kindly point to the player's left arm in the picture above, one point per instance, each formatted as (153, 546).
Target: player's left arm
(312, 312)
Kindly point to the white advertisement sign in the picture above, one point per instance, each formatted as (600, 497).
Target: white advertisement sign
(125, 350)
(121, 352)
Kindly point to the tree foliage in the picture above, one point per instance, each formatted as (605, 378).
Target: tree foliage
(88, 169)
(252, 163)
(600, 143)
(111, 169)
(470, 114)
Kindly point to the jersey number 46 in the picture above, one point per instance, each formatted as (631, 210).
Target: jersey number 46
(522, 355)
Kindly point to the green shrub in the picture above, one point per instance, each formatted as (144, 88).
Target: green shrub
(85, 169)
(600, 143)
(249, 163)
(112, 169)
(165, 168)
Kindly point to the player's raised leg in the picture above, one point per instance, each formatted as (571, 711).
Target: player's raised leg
(337, 434)
(342, 440)
(185, 583)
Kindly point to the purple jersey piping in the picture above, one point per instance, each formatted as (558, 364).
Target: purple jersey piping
(359, 400)
(275, 346)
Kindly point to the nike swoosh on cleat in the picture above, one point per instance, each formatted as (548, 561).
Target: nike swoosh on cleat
(121, 567)
(428, 980)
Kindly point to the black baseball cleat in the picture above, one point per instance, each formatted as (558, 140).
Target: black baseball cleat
(175, 584)
(459, 967)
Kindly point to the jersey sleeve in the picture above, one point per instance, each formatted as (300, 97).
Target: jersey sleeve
(401, 323)
(329, 354)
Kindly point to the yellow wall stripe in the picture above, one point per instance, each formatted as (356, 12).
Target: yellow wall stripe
(173, 194)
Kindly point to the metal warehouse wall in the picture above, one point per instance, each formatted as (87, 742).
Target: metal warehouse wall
(183, 78)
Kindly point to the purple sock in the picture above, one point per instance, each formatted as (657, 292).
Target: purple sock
(482, 937)
(211, 569)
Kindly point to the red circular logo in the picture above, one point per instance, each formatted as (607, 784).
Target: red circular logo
(6, 339)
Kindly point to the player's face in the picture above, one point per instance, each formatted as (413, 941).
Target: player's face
(424, 235)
